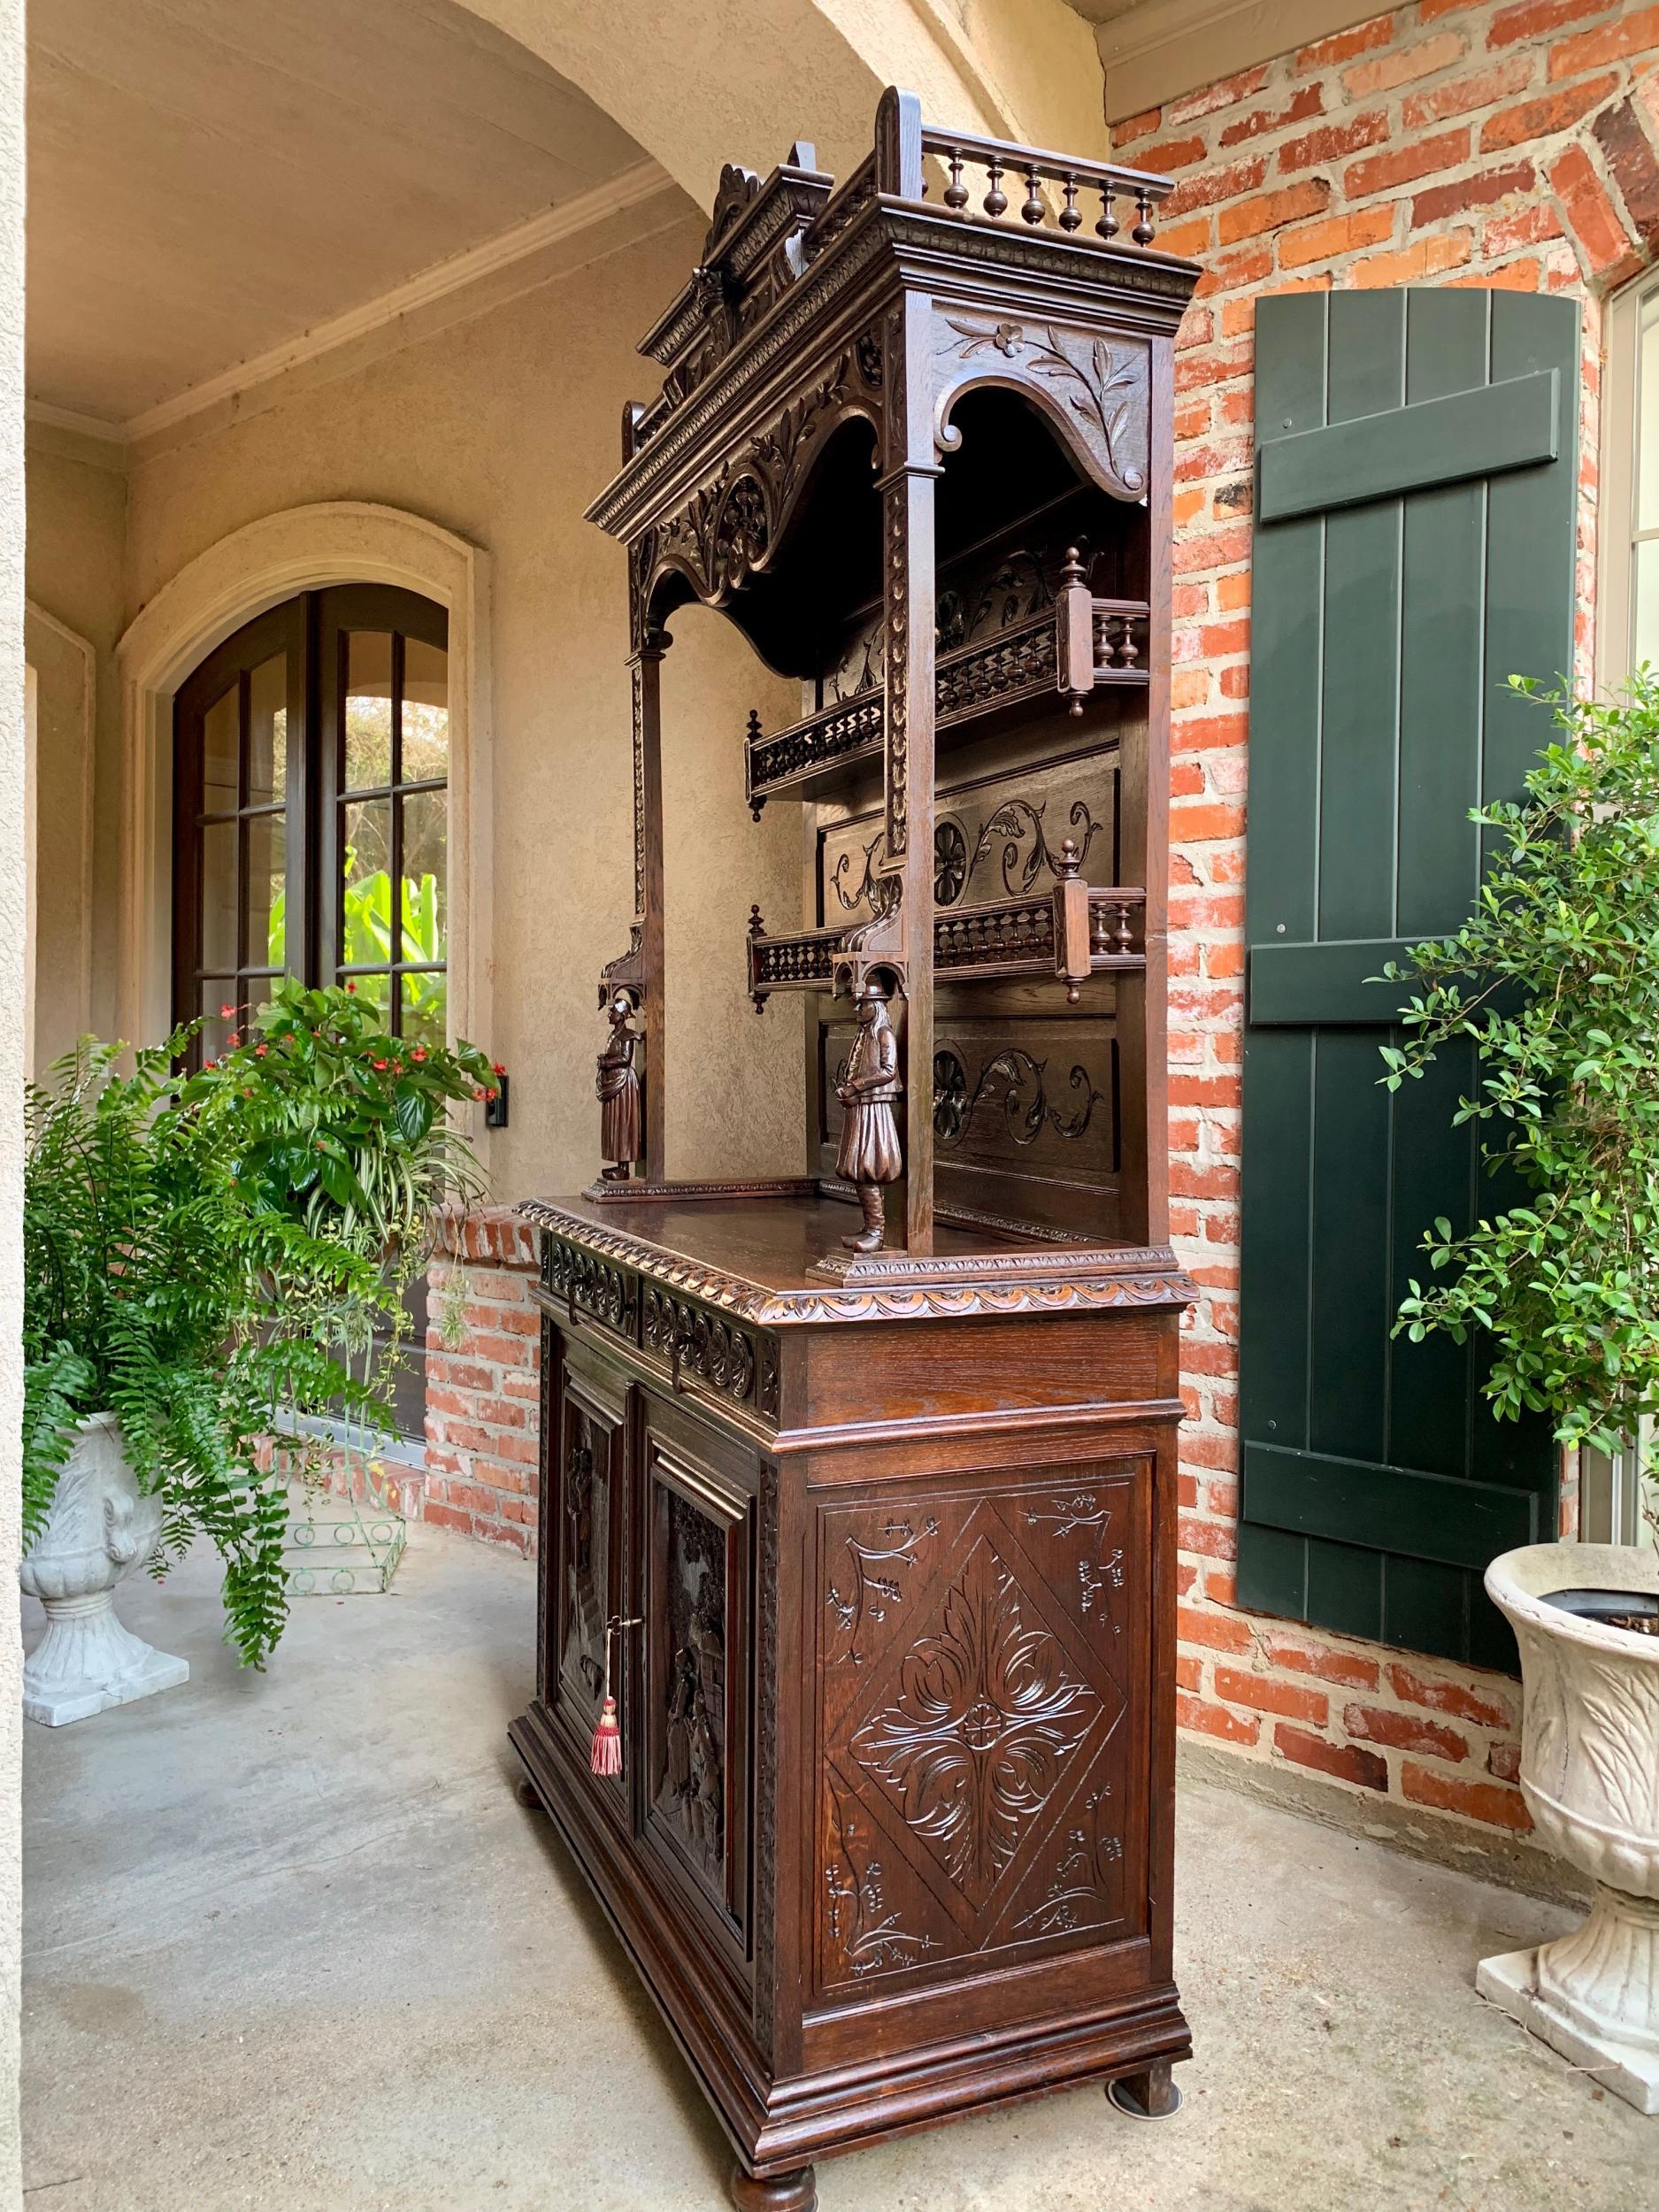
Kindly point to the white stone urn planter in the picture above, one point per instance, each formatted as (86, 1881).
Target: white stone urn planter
(1590, 1774)
(101, 1528)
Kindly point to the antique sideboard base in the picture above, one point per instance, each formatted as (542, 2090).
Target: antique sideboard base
(888, 1576)
(779, 2133)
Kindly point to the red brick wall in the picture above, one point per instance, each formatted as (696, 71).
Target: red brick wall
(1506, 145)
(482, 1384)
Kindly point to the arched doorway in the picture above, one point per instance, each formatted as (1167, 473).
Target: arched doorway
(312, 777)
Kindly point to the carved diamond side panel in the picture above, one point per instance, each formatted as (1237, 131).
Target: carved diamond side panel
(989, 1712)
(980, 1668)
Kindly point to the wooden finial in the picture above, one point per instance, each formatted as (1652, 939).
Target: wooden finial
(1070, 860)
(1073, 573)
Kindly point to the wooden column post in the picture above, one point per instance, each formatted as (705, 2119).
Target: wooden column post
(646, 665)
(909, 594)
(1144, 814)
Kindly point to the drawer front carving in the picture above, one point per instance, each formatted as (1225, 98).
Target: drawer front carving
(983, 1678)
(592, 1285)
(699, 1524)
(736, 1362)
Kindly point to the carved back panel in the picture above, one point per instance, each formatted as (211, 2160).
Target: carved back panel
(983, 1672)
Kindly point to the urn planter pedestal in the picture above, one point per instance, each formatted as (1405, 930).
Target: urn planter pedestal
(101, 1528)
(1590, 1774)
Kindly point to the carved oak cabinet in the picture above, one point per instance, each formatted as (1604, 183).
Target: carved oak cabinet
(858, 1490)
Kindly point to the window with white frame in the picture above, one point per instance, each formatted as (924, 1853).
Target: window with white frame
(1627, 634)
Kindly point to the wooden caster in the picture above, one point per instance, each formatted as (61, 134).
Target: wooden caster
(778, 2193)
(525, 1790)
(1151, 2095)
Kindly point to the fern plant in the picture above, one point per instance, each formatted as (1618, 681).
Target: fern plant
(209, 1257)
(146, 1294)
(1554, 978)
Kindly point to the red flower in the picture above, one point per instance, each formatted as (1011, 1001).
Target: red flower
(419, 1053)
(226, 1012)
(493, 1092)
(478, 1091)
(498, 1068)
(350, 986)
(234, 1037)
(379, 1066)
(259, 1051)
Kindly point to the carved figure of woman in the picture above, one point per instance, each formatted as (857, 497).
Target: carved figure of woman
(617, 1084)
(870, 1153)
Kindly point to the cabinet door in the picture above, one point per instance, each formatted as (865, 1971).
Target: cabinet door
(587, 1486)
(692, 1725)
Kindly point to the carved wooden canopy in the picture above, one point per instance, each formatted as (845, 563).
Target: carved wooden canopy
(793, 323)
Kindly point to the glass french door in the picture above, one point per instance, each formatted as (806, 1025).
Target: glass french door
(311, 813)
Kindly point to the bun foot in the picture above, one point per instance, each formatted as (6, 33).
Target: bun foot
(525, 1790)
(1150, 2095)
(778, 2193)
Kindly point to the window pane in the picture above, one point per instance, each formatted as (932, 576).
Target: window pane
(426, 712)
(1644, 603)
(425, 1020)
(219, 895)
(221, 727)
(375, 991)
(268, 732)
(368, 710)
(365, 937)
(425, 884)
(1647, 416)
(267, 890)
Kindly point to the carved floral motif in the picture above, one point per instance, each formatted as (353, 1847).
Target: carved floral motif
(874, 1586)
(1104, 391)
(1017, 1080)
(986, 1717)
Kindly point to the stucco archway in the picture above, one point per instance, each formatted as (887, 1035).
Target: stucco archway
(699, 82)
(302, 548)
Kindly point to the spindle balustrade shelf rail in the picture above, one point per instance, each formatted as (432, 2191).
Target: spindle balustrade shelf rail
(1066, 654)
(1061, 935)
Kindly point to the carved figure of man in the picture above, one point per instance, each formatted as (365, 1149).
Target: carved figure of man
(618, 1089)
(870, 1153)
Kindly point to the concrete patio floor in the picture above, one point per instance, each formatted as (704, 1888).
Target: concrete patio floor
(291, 1942)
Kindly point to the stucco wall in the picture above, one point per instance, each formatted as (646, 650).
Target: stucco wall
(501, 429)
(12, 566)
(77, 509)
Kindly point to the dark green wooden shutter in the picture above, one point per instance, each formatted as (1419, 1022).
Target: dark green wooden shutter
(1414, 546)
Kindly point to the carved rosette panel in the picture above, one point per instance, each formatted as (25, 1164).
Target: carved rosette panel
(978, 1659)
(1096, 391)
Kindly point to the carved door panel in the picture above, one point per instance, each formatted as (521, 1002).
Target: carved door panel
(589, 1491)
(693, 1738)
(983, 1681)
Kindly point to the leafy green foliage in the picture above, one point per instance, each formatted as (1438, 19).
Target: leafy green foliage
(207, 1258)
(1554, 977)
(146, 1280)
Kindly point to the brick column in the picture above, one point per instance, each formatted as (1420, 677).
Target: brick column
(483, 1381)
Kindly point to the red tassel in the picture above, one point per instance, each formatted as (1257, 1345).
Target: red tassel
(607, 1751)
